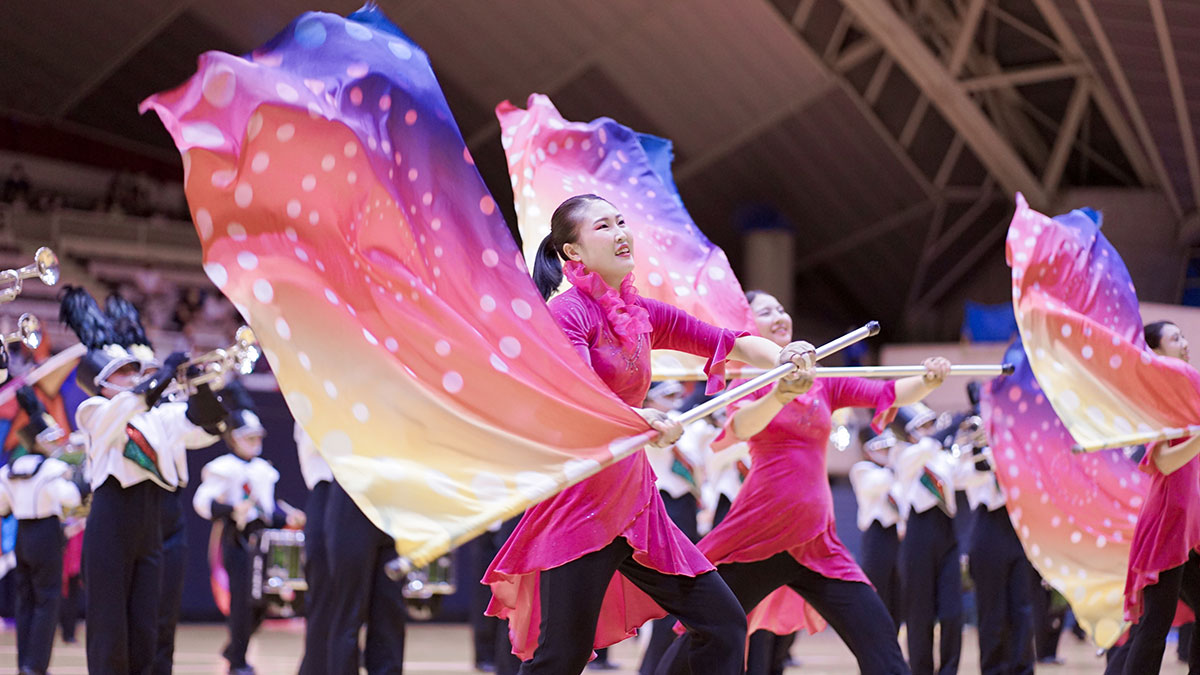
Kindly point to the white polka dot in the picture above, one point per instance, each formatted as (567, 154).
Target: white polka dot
(498, 363)
(391, 344)
(328, 162)
(236, 231)
(287, 92)
(220, 85)
(1101, 542)
(331, 389)
(203, 134)
(336, 444)
(442, 348)
(247, 260)
(301, 254)
(243, 195)
(305, 362)
(350, 149)
(254, 126)
(352, 178)
(1068, 399)
(300, 406)
(293, 208)
(285, 133)
(222, 179)
(204, 223)
(282, 329)
(655, 279)
(1066, 330)
(400, 49)
(1087, 351)
(263, 290)
(308, 183)
(489, 487)
(331, 296)
(361, 413)
(357, 31)
(716, 273)
(522, 309)
(510, 347)
(313, 217)
(487, 303)
(1076, 537)
(452, 382)
(682, 291)
(490, 257)
(368, 335)
(217, 274)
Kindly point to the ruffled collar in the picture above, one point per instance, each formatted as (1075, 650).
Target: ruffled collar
(627, 319)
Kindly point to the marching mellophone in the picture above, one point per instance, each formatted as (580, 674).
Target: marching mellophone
(44, 267)
(28, 332)
(217, 367)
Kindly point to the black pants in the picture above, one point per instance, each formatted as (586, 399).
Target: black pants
(572, 594)
(70, 609)
(316, 574)
(174, 561)
(767, 653)
(1047, 621)
(39, 553)
(881, 563)
(122, 567)
(682, 511)
(1001, 573)
(361, 591)
(491, 643)
(1148, 638)
(244, 615)
(852, 608)
(931, 577)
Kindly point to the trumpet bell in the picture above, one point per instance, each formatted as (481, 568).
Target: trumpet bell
(28, 332)
(47, 265)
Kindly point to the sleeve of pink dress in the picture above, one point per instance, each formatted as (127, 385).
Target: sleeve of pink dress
(857, 392)
(678, 330)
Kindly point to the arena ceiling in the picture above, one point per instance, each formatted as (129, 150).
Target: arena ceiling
(890, 135)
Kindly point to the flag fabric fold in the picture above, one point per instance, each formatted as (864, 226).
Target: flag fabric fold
(339, 209)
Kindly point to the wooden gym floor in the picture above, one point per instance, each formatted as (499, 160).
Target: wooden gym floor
(440, 649)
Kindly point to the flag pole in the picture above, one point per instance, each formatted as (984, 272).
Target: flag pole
(881, 372)
(776, 373)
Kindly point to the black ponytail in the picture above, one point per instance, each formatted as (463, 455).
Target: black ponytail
(547, 264)
(547, 268)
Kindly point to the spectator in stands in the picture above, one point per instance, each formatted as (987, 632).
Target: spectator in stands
(16, 187)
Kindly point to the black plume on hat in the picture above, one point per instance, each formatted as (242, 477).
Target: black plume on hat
(78, 309)
(126, 321)
(30, 403)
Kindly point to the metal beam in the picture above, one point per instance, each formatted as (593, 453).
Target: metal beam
(1132, 105)
(948, 162)
(856, 54)
(964, 265)
(105, 71)
(1177, 96)
(1076, 107)
(966, 35)
(876, 229)
(1114, 117)
(947, 95)
(1028, 75)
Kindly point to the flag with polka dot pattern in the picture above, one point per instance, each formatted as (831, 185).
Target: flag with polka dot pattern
(340, 210)
(551, 159)
(1083, 375)
(1074, 513)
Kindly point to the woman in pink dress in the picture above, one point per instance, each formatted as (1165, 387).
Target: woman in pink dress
(1163, 563)
(779, 543)
(585, 568)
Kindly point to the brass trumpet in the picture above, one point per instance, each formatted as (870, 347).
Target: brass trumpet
(28, 332)
(217, 367)
(44, 267)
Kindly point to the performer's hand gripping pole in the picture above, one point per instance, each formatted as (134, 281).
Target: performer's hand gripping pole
(777, 373)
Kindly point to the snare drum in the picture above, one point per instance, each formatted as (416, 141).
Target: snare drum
(277, 579)
(425, 586)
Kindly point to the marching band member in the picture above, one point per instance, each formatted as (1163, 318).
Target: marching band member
(37, 489)
(238, 490)
(135, 450)
(1002, 574)
(781, 530)
(930, 570)
(611, 530)
(874, 485)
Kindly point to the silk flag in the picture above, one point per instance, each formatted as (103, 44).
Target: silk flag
(1077, 312)
(1074, 513)
(341, 212)
(551, 159)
